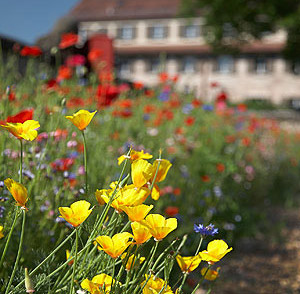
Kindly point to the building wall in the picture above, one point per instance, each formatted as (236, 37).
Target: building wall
(256, 75)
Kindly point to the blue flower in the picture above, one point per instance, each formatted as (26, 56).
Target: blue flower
(209, 230)
(208, 107)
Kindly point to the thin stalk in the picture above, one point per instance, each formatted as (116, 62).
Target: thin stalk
(75, 263)
(199, 246)
(19, 253)
(21, 162)
(182, 282)
(47, 258)
(85, 163)
(198, 285)
(9, 237)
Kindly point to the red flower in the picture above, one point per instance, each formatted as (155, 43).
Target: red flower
(175, 78)
(163, 77)
(222, 96)
(189, 121)
(246, 141)
(214, 84)
(242, 107)
(75, 102)
(31, 51)
(68, 40)
(125, 103)
(229, 139)
(177, 191)
(220, 167)
(51, 84)
(196, 103)
(94, 55)
(171, 211)
(21, 117)
(149, 108)
(62, 164)
(205, 178)
(75, 60)
(64, 73)
(138, 85)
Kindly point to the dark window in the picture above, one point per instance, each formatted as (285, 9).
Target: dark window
(225, 64)
(190, 31)
(157, 32)
(126, 33)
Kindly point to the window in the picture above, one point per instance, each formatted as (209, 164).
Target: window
(154, 65)
(225, 64)
(189, 64)
(157, 32)
(126, 33)
(124, 67)
(260, 65)
(190, 31)
(296, 67)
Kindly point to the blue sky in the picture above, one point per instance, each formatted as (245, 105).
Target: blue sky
(26, 20)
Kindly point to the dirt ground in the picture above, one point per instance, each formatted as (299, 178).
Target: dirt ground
(262, 266)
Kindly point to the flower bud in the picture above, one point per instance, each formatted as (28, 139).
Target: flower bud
(28, 282)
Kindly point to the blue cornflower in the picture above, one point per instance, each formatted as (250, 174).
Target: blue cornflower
(209, 230)
(208, 107)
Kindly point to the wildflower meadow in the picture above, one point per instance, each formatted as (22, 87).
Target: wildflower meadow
(113, 187)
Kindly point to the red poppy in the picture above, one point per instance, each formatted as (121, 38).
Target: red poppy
(149, 93)
(51, 84)
(12, 96)
(75, 60)
(177, 191)
(138, 85)
(75, 102)
(163, 77)
(230, 139)
(171, 211)
(196, 103)
(68, 40)
(222, 96)
(175, 78)
(214, 84)
(179, 131)
(125, 103)
(189, 121)
(31, 51)
(64, 73)
(242, 107)
(21, 117)
(246, 141)
(94, 54)
(62, 164)
(205, 178)
(149, 108)
(220, 167)
(174, 103)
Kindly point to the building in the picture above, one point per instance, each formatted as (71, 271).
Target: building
(150, 36)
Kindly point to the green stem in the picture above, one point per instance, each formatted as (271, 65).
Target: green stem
(182, 282)
(19, 253)
(21, 162)
(9, 237)
(199, 246)
(198, 285)
(75, 263)
(47, 258)
(85, 164)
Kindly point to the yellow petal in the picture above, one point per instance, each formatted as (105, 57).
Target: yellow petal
(141, 172)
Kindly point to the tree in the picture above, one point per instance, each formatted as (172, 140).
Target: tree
(232, 23)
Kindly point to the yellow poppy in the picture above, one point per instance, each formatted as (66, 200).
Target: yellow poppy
(77, 213)
(158, 226)
(81, 118)
(114, 246)
(188, 263)
(98, 195)
(1, 232)
(210, 275)
(155, 285)
(126, 196)
(140, 232)
(137, 213)
(100, 284)
(216, 249)
(132, 261)
(68, 256)
(141, 172)
(18, 191)
(135, 155)
(26, 130)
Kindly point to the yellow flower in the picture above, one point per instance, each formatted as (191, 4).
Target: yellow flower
(155, 285)
(216, 249)
(132, 261)
(137, 213)
(210, 275)
(140, 232)
(161, 175)
(26, 130)
(81, 118)
(158, 226)
(141, 172)
(116, 245)
(98, 284)
(98, 195)
(135, 155)
(18, 191)
(126, 196)
(1, 232)
(76, 213)
(188, 263)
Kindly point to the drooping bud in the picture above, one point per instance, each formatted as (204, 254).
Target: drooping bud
(28, 282)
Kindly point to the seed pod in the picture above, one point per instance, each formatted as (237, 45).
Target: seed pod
(28, 283)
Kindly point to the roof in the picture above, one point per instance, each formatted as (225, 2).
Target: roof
(90, 10)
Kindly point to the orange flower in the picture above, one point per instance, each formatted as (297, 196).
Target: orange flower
(216, 249)
(135, 155)
(18, 191)
(77, 213)
(132, 261)
(140, 232)
(209, 274)
(137, 213)
(188, 263)
(100, 284)
(81, 119)
(26, 130)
